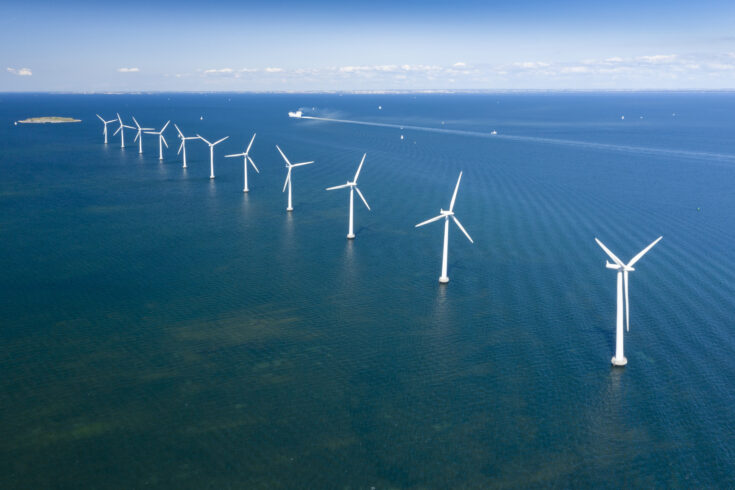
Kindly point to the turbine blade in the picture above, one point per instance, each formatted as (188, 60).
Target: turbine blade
(609, 253)
(129, 127)
(136, 122)
(288, 177)
(252, 163)
(165, 126)
(251, 144)
(136, 137)
(359, 168)
(462, 228)
(181, 135)
(220, 141)
(235, 155)
(454, 196)
(363, 198)
(100, 118)
(118, 130)
(284, 156)
(627, 310)
(643, 252)
(300, 164)
(164, 139)
(181, 146)
(338, 187)
(429, 220)
(118, 117)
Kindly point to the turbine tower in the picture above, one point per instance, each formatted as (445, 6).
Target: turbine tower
(353, 187)
(246, 158)
(623, 269)
(121, 130)
(104, 131)
(446, 215)
(211, 153)
(289, 166)
(183, 142)
(161, 139)
(138, 136)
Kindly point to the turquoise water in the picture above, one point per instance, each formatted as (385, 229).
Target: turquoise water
(163, 330)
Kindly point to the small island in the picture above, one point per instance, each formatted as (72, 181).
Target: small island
(48, 119)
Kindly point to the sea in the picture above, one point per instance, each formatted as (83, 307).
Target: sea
(161, 329)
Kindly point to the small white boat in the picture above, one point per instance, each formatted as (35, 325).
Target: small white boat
(295, 114)
(493, 132)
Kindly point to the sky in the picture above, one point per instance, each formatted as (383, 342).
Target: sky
(323, 45)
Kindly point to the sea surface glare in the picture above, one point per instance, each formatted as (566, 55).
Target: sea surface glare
(163, 330)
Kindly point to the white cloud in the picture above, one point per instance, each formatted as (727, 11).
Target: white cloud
(614, 59)
(273, 70)
(213, 71)
(658, 58)
(459, 64)
(531, 64)
(576, 69)
(21, 72)
(128, 70)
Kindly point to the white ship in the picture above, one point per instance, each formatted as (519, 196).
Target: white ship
(294, 114)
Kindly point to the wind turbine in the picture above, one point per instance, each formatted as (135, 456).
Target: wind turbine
(121, 130)
(446, 215)
(623, 269)
(104, 131)
(211, 153)
(183, 142)
(353, 187)
(246, 158)
(289, 166)
(138, 136)
(161, 139)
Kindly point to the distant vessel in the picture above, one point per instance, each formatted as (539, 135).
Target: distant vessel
(493, 132)
(294, 114)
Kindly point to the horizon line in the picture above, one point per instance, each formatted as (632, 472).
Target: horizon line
(370, 92)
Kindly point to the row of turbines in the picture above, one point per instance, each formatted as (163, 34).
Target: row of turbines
(623, 269)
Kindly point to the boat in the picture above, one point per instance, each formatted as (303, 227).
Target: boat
(493, 132)
(295, 114)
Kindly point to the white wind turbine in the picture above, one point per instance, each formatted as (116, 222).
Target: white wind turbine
(121, 130)
(623, 269)
(104, 131)
(161, 139)
(246, 158)
(353, 187)
(183, 142)
(289, 166)
(138, 136)
(211, 153)
(446, 215)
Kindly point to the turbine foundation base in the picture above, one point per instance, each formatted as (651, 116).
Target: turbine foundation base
(619, 362)
(443, 279)
(289, 209)
(351, 236)
(246, 190)
(211, 176)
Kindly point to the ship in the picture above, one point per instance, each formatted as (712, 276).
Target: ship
(294, 114)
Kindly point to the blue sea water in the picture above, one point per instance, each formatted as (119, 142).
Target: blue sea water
(161, 329)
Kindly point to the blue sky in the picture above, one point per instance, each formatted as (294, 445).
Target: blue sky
(325, 45)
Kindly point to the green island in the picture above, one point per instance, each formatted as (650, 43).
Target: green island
(48, 119)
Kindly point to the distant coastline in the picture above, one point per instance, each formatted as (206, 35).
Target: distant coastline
(48, 119)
